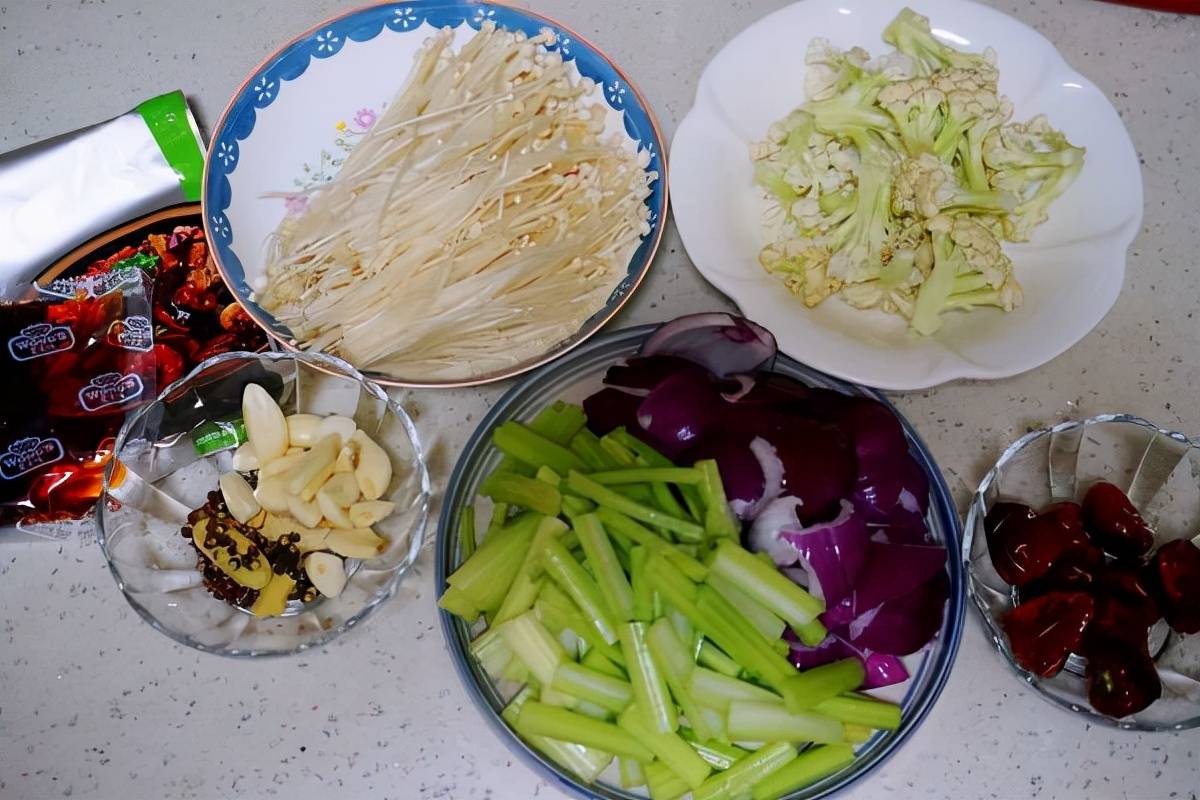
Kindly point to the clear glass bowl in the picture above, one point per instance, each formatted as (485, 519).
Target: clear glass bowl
(142, 510)
(1159, 469)
(575, 377)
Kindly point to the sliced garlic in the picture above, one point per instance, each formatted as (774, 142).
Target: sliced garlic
(302, 429)
(276, 525)
(342, 489)
(313, 463)
(327, 573)
(239, 497)
(368, 512)
(293, 450)
(266, 427)
(245, 459)
(344, 427)
(272, 494)
(331, 511)
(307, 514)
(374, 469)
(280, 465)
(313, 486)
(361, 543)
(346, 458)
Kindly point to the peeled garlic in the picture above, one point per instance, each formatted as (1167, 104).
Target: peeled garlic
(280, 465)
(345, 459)
(266, 427)
(275, 526)
(368, 512)
(374, 470)
(245, 459)
(239, 497)
(342, 489)
(361, 543)
(327, 573)
(302, 429)
(293, 450)
(313, 463)
(344, 427)
(330, 510)
(272, 494)
(306, 513)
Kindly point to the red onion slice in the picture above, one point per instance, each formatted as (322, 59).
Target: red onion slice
(722, 343)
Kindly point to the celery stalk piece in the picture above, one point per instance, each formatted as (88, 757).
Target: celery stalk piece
(618, 452)
(631, 773)
(612, 694)
(622, 525)
(811, 633)
(749, 771)
(539, 719)
(547, 475)
(719, 521)
(720, 756)
(595, 660)
(562, 567)
(663, 783)
(576, 506)
(643, 592)
(617, 593)
(711, 656)
(857, 734)
(768, 664)
(584, 762)
(604, 496)
(552, 697)
(765, 584)
(523, 445)
(492, 652)
(653, 458)
(668, 747)
(807, 689)
(676, 666)
(683, 630)
(485, 577)
(466, 532)
(498, 519)
(525, 586)
(664, 498)
(535, 646)
(586, 445)
(619, 477)
(559, 421)
(715, 720)
(869, 713)
(717, 691)
(762, 618)
(514, 489)
(770, 722)
(807, 768)
(586, 630)
(649, 687)
(554, 618)
(516, 672)
(781, 646)
(459, 604)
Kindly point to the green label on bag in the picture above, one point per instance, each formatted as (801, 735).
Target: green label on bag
(217, 435)
(171, 124)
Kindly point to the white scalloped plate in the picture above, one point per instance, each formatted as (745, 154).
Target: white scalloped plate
(1071, 271)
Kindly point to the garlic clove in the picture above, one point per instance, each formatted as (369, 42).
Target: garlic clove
(331, 511)
(327, 573)
(346, 458)
(374, 469)
(317, 460)
(280, 465)
(307, 513)
(244, 458)
(368, 512)
(361, 543)
(302, 429)
(266, 427)
(342, 489)
(344, 427)
(272, 494)
(239, 497)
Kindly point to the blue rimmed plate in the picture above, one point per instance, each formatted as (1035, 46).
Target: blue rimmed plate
(300, 112)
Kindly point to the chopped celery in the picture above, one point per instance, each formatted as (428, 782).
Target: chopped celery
(647, 475)
(643, 592)
(535, 646)
(811, 633)
(526, 586)
(717, 691)
(585, 762)
(482, 580)
(555, 618)
(605, 691)
(748, 771)
(547, 475)
(664, 498)
(576, 506)
(711, 656)
(492, 652)
(586, 630)
(668, 747)
(595, 660)
(622, 525)
(603, 496)
(539, 719)
(498, 519)
(653, 458)
(857, 734)
(765, 662)
(718, 754)
(807, 689)
(649, 687)
(719, 521)
(683, 629)
(807, 768)
(715, 720)
(868, 712)
(615, 588)
(761, 617)
(562, 567)
(765, 584)
(559, 421)
(586, 445)
(460, 604)
(619, 453)
(676, 666)
(527, 447)
(749, 720)
(514, 489)
(663, 783)
(631, 774)
(466, 532)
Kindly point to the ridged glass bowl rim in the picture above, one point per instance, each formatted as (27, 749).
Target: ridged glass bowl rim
(619, 342)
(978, 510)
(324, 363)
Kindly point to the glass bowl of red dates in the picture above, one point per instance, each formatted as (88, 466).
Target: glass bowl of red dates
(1083, 556)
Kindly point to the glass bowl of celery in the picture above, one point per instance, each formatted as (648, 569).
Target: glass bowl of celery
(549, 693)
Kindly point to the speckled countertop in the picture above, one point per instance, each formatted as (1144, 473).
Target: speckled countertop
(93, 703)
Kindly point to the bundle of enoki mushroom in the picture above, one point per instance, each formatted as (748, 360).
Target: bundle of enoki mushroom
(480, 222)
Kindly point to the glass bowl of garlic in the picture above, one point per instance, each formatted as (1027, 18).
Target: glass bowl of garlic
(264, 504)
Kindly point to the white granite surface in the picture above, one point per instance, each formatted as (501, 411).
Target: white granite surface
(93, 703)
